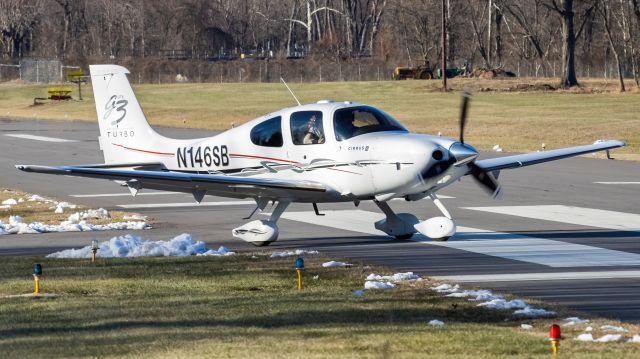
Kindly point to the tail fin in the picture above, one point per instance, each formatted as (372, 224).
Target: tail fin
(125, 134)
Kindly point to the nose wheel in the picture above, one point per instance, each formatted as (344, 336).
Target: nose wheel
(438, 228)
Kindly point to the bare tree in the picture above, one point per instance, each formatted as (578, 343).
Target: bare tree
(605, 12)
(310, 18)
(17, 20)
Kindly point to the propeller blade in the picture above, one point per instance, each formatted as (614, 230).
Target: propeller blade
(486, 180)
(466, 95)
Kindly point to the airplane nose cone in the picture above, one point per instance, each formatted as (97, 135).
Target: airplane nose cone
(463, 152)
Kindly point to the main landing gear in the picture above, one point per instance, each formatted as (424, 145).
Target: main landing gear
(264, 231)
(404, 225)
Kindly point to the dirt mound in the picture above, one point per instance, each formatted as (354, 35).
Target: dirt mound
(522, 88)
(491, 73)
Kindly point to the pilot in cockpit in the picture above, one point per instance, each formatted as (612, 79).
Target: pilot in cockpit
(314, 133)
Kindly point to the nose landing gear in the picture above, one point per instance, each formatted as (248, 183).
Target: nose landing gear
(405, 225)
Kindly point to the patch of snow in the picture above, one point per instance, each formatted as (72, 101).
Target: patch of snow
(15, 220)
(20, 200)
(10, 202)
(297, 252)
(370, 284)
(60, 206)
(588, 329)
(575, 321)
(585, 337)
(37, 198)
(358, 293)
(221, 252)
(613, 328)
(502, 304)
(332, 264)
(534, 312)
(478, 295)
(526, 326)
(75, 223)
(316, 277)
(398, 277)
(493, 301)
(134, 217)
(133, 246)
(609, 338)
(436, 323)
(497, 148)
(446, 288)
(4, 206)
(635, 339)
(99, 213)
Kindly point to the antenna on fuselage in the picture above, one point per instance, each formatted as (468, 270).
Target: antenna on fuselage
(291, 92)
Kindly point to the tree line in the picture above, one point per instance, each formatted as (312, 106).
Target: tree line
(560, 38)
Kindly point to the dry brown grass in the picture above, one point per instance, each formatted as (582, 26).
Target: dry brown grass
(41, 211)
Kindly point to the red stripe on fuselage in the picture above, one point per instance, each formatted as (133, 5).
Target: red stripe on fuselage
(262, 158)
(143, 151)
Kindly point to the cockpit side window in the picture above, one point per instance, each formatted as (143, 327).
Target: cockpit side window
(307, 128)
(268, 133)
(355, 121)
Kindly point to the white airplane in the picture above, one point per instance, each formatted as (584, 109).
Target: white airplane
(317, 153)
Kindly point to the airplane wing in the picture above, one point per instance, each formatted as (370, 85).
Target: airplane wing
(198, 184)
(528, 159)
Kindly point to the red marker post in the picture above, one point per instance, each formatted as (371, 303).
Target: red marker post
(554, 337)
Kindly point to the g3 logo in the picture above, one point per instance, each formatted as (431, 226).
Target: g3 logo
(116, 103)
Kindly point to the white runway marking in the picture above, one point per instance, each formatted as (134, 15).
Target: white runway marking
(38, 138)
(521, 277)
(128, 194)
(590, 217)
(504, 245)
(616, 182)
(186, 204)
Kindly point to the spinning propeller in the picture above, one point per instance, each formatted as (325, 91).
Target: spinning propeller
(485, 179)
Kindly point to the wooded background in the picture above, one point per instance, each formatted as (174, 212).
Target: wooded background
(323, 40)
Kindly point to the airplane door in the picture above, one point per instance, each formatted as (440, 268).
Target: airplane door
(306, 136)
(310, 136)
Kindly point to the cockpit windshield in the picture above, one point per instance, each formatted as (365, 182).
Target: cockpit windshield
(356, 121)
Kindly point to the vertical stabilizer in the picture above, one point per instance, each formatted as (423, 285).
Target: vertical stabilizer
(125, 134)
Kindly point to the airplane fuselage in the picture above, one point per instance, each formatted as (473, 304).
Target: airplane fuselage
(375, 165)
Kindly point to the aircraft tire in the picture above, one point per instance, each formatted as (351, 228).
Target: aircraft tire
(404, 236)
(443, 239)
(261, 244)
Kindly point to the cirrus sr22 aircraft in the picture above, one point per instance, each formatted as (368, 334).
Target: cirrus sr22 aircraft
(315, 153)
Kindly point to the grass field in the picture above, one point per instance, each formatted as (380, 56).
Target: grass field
(517, 121)
(246, 306)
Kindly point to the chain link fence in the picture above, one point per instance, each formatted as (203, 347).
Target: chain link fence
(41, 71)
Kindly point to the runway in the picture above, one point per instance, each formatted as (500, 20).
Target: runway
(566, 231)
